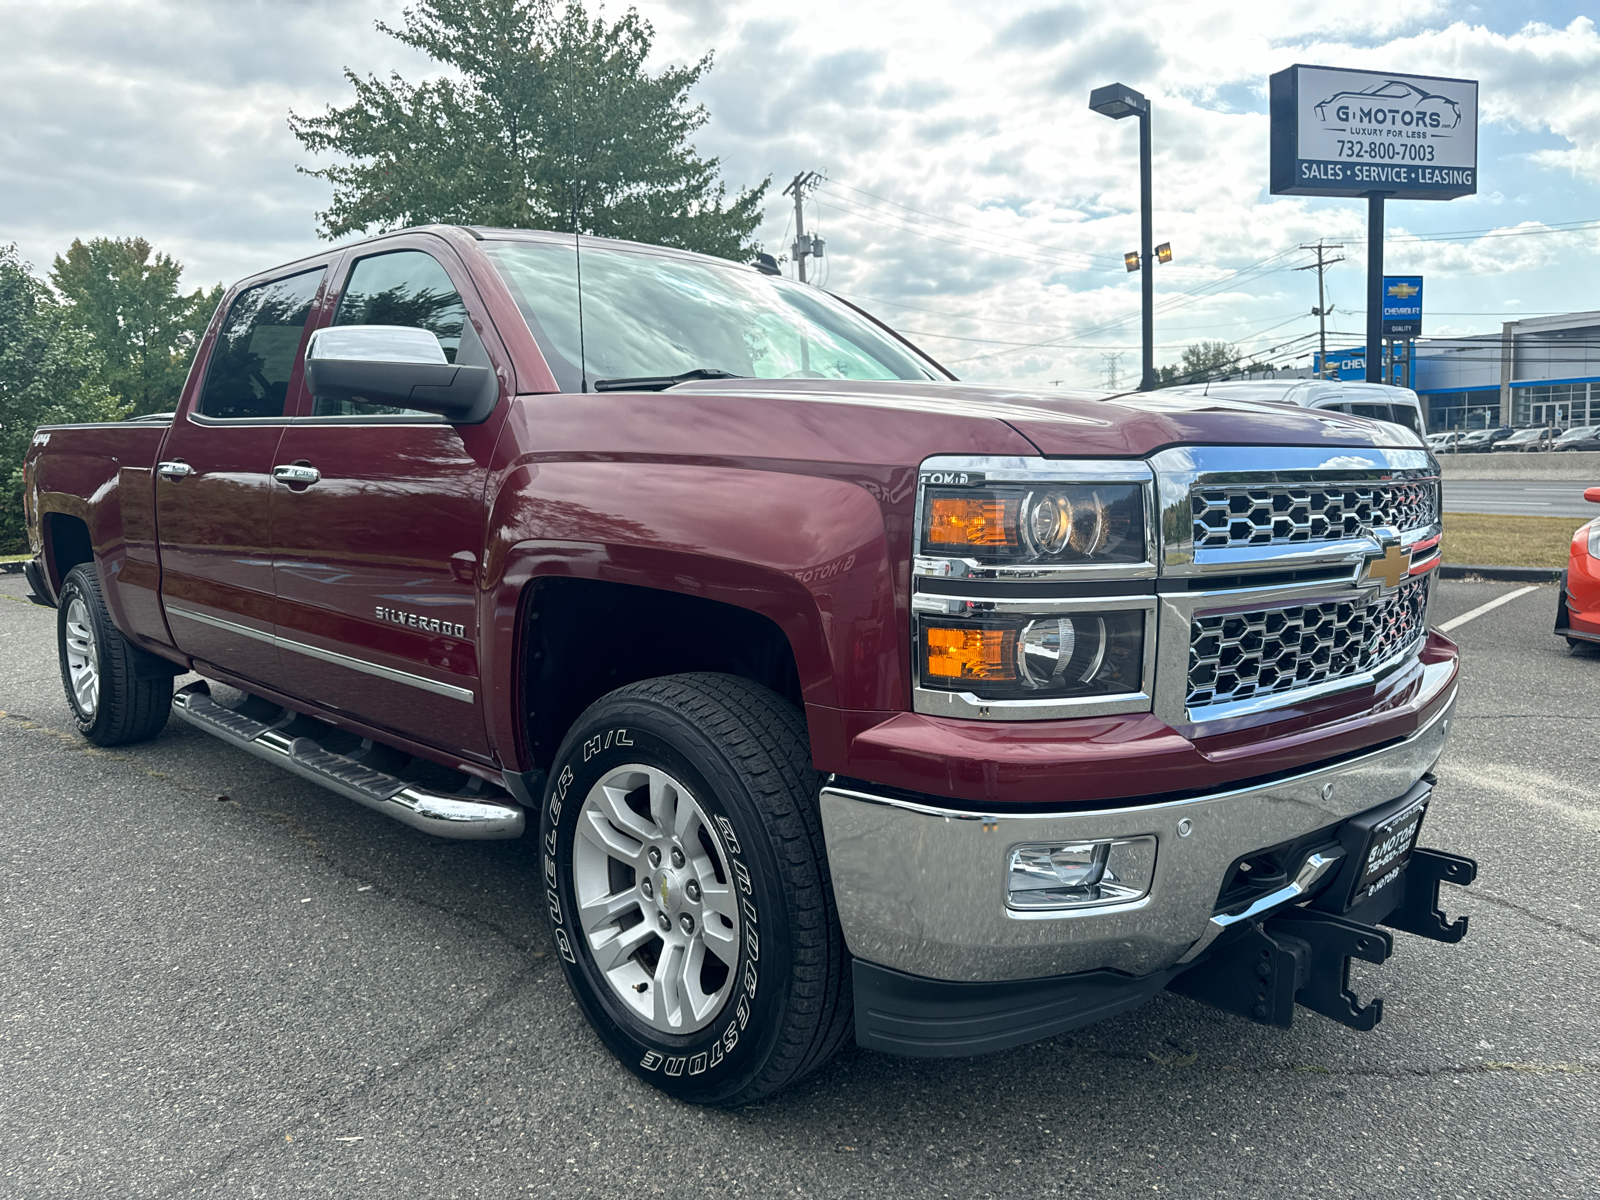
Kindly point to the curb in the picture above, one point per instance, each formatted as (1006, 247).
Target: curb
(1500, 574)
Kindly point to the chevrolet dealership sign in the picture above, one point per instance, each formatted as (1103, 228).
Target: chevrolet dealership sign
(1352, 133)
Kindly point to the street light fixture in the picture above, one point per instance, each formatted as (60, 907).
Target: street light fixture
(1117, 100)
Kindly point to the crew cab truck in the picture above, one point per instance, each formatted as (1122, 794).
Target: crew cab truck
(834, 697)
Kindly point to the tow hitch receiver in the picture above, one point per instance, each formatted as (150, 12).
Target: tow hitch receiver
(1297, 956)
(1302, 955)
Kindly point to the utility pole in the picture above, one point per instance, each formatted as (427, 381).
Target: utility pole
(1112, 360)
(803, 245)
(1321, 310)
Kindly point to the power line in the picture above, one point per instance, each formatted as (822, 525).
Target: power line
(1029, 242)
(953, 239)
(1167, 305)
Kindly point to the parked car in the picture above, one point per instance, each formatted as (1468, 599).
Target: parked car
(1586, 437)
(1446, 442)
(835, 698)
(1481, 441)
(1578, 600)
(1528, 441)
(1378, 401)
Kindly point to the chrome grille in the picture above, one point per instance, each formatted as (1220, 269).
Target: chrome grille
(1284, 514)
(1270, 651)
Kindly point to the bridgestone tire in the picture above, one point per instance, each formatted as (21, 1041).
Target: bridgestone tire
(134, 693)
(742, 753)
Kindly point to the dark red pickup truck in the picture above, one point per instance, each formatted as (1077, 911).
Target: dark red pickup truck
(834, 696)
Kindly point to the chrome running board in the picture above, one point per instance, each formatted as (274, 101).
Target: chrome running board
(442, 815)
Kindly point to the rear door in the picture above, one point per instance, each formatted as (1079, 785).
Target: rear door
(376, 562)
(213, 481)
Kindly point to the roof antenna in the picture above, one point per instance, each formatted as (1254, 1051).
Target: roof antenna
(577, 241)
(577, 255)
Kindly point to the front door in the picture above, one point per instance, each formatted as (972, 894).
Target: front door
(213, 483)
(376, 561)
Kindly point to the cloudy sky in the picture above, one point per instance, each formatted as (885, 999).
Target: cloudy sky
(972, 199)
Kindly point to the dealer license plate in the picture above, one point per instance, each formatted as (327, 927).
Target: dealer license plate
(1388, 850)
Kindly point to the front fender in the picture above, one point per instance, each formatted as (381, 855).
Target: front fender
(815, 555)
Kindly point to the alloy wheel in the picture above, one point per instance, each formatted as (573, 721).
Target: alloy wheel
(83, 657)
(655, 900)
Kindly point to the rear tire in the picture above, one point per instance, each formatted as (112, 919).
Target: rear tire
(118, 693)
(689, 892)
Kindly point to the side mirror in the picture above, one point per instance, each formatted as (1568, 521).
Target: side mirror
(1592, 495)
(399, 366)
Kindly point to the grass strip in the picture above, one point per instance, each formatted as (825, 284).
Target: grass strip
(1488, 540)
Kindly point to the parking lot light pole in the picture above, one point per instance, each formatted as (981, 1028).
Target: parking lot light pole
(1116, 101)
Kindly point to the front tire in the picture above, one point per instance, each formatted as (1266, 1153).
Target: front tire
(118, 693)
(688, 887)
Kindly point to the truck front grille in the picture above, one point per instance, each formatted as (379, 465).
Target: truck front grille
(1285, 514)
(1270, 651)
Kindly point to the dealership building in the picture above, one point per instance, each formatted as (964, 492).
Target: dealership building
(1537, 371)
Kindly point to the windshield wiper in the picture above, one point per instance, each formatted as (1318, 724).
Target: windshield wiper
(660, 383)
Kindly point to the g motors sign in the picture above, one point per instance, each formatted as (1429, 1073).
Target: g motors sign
(1353, 133)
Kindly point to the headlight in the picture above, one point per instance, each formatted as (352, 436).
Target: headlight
(1030, 596)
(1594, 538)
(1083, 654)
(1044, 525)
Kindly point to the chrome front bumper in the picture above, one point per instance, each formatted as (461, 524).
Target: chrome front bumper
(921, 889)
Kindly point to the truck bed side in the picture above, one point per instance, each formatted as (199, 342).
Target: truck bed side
(90, 496)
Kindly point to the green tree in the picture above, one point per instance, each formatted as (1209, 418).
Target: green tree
(549, 121)
(51, 372)
(1202, 361)
(126, 296)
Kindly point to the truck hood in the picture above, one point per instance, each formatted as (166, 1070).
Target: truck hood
(1075, 423)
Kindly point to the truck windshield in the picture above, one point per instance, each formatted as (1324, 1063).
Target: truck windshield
(664, 313)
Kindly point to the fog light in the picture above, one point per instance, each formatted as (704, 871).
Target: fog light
(1080, 874)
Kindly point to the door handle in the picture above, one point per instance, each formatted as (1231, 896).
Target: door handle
(175, 470)
(296, 474)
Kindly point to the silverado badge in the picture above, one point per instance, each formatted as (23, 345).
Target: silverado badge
(417, 621)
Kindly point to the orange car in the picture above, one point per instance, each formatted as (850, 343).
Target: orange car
(1578, 608)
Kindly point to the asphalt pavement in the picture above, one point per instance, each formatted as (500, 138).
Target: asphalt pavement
(1523, 498)
(217, 980)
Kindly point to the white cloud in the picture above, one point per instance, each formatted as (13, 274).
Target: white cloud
(968, 176)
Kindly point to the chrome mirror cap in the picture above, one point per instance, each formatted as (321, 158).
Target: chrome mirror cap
(375, 343)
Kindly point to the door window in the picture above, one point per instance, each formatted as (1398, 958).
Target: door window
(256, 351)
(404, 287)
(1377, 412)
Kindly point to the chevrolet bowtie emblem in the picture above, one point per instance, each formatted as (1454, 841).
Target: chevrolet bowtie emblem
(1391, 568)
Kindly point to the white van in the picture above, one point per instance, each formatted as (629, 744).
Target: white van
(1381, 401)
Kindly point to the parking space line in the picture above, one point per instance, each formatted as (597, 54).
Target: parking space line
(1454, 622)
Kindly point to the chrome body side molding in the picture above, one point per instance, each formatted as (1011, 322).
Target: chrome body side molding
(332, 656)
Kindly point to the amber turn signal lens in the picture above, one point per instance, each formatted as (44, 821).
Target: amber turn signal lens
(977, 654)
(971, 521)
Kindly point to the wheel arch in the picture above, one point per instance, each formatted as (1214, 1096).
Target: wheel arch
(582, 638)
(66, 544)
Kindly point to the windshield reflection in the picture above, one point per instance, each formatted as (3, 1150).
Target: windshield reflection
(653, 313)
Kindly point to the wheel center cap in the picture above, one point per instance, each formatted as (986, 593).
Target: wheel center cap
(670, 891)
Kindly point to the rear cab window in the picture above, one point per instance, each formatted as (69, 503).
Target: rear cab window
(258, 348)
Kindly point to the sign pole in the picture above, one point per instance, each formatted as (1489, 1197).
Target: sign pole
(1375, 287)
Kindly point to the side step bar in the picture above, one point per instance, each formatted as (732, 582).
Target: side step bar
(432, 812)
